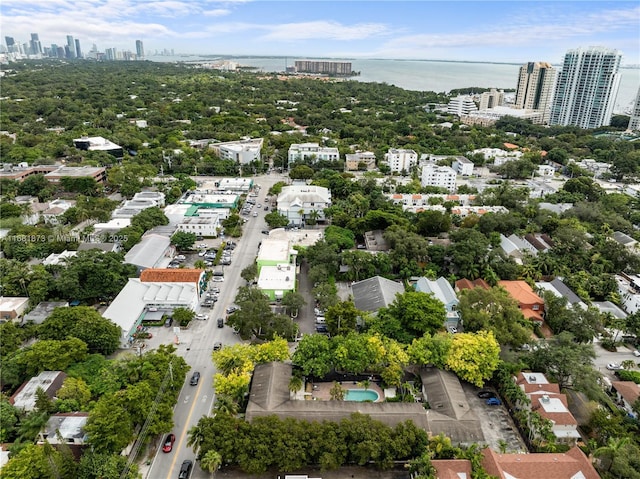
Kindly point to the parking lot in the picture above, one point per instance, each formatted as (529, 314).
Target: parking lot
(496, 422)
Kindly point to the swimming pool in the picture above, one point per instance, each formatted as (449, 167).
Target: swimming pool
(361, 395)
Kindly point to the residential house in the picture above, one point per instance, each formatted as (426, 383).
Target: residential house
(627, 394)
(58, 258)
(374, 293)
(531, 305)
(56, 208)
(572, 464)
(140, 300)
(104, 247)
(496, 155)
(626, 241)
(49, 381)
(557, 208)
(301, 203)
(375, 241)
(561, 290)
(179, 275)
(42, 311)
(441, 290)
(470, 284)
(452, 468)
(546, 400)
(629, 291)
(270, 395)
(67, 429)
(12, 307)
(516, 247)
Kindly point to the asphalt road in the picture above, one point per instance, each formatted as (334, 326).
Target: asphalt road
(196, 346)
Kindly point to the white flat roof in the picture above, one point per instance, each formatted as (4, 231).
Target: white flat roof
(280, 277)
(273, 249)
(552, 405)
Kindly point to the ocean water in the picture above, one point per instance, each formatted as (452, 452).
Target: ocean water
(430, 75)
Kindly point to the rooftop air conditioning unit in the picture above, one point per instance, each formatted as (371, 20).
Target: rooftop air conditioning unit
(532, 379)
(545, 398)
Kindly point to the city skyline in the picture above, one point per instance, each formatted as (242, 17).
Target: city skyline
(510, 32)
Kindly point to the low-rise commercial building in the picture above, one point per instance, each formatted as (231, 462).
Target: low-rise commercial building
(276, 281)
(242, 152)
(312, 152)
(97, 143)
(275, 252)
(98, 173)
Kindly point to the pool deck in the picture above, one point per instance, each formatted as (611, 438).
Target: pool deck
(321, 391)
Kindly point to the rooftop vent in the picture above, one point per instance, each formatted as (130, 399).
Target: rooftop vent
(545, 398)
(532, 379)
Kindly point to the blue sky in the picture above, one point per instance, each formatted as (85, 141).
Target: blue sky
(503, 31)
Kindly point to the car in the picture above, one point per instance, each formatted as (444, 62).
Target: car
(258, 205)
(266, 207)
(318, 312)
(232, 309)
(493, 402)
(168, 322)
(614, 367)
(321, 320)
(202, 317)
(485, 394)
(225, 262)
(453, 330)
(185, 469)
(255, 213)
(218, 279)
(201, 253)
(181, 257)
(636, 353)
(168, 442)
(195, 379)
(322, 328)
(214, 290)
(220, 322)
(217, 346)
(265, 232)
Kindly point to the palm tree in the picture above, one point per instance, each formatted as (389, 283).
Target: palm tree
(195, 438)
(613, 447)
(295, 383)
(211, 461)
(336, 392)
(226, 405)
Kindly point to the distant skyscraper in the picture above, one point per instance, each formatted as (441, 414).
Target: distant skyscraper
(10, 42)
(139, 49)
(634, 122)
(71, 46)
(78, 51)
(535, 87)
(491, 99)
(587, 88)
(35, 46)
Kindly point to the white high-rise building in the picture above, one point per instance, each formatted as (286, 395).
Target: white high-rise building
(461, 105)
(491, 99)
(634, 122)
(587, 88)
(401, 160)
(535, 88)
(442, 176)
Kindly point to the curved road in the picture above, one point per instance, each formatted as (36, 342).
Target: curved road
(197, 401)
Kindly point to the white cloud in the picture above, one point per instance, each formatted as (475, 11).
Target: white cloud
(218, 12)
(324, 30)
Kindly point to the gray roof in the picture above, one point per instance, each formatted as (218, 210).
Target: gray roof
(440, 288)
(375, 293)
(67, 425)
(49, 381)
(450, 412)
(623, 238)
(451, 415)
(43, 311)
(611, 308)
(558, 208)
(106, 247)
(148, 252)
(565, 291)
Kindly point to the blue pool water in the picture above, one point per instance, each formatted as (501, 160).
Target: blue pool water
(361, 395)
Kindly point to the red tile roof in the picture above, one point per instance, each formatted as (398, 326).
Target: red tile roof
(164, 275)
(536, 466)
(511, 146)
(521, 292)
(451, 468)
(629, 390)
(468, 284)
(561, 418)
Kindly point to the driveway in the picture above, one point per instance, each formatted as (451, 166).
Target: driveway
(604, 357)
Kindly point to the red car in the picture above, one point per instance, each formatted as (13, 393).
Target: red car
(168, 443)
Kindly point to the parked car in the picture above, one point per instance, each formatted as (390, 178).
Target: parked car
(168, 322)
(484, 394)
(255, 213)
(185, 469)
(218, 279)
(265, 232)
(636, 353)
(195, 379)
(614, 367)
(322, 328)
(168, 442)
(202, 317)
(321, 320)
(232, 309)
(214, 290)
(181, 257)
(453, 330)
(493, 402)
(220, 322)
(266, 207)
(217, 346)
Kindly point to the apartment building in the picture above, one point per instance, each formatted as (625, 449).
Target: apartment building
(400, 160)
(311, 152)
(360, 159)
(461, 105)
(441, 176)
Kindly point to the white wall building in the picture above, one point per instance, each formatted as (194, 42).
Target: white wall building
(634, 121)
(242, 152)
(400, 159)
(299, 203)
(442, 176)
(546, 170)
(497, 155)
(462, 166)
(461, 105)
(311, 151)
(353, 160)
(207, 225)
(491, 99)
(629, 291)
